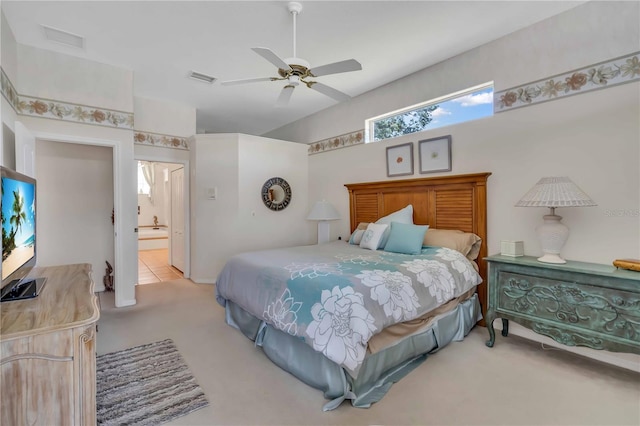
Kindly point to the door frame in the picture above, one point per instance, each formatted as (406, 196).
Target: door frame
(124, 296)
(171, 221)
(187, 234)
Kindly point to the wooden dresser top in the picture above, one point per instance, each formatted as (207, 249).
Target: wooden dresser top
(67, 300)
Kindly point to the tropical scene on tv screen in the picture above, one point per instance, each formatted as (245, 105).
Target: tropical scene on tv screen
(18, 224)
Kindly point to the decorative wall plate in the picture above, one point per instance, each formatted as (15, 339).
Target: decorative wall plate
(276, 193)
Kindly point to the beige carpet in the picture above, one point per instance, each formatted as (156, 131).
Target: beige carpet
(515, 383)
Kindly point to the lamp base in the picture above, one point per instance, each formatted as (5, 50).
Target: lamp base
(551, 258)
(552, 234)
(323, 231)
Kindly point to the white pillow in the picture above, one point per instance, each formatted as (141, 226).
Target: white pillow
(372, 236)
(404, 215)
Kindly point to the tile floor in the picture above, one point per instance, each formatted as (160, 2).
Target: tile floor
(153, 267)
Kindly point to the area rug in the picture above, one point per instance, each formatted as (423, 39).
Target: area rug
(145, 385)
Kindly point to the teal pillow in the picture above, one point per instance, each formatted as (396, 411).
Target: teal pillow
(405, 238)
(356, 237)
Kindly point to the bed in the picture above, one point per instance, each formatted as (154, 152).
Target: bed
(321, 313)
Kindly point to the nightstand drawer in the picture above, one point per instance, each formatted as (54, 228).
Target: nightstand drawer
(591, 308)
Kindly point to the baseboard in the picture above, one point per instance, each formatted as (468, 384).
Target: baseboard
(204, 280)
(124, 303)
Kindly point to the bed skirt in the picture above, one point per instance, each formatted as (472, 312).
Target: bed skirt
(378, 372)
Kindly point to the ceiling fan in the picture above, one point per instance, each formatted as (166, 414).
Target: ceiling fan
(296, 70)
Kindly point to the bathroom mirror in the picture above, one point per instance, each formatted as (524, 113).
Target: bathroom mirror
(276, 193)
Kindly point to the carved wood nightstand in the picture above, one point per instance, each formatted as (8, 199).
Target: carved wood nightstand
(576, 304)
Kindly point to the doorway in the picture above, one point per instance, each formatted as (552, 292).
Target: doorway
(159, 198)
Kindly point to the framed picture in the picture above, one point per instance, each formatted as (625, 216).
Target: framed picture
(400, 160)
(435, 154)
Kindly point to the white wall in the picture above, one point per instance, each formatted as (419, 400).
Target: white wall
(238, 221)
(51, 75)
(8, 61)
(587, 34)
(75, 198)
(593, 138)
(8, 49)
(167, 118)
(60, 77)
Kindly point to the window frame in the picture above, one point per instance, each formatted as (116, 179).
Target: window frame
(142, 183)
(369, 124)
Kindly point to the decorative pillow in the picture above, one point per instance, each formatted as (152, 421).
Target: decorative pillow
(404, 215)
(372, 236)
(405, 238)
(356, 237)
(363, 226)
(465, 242)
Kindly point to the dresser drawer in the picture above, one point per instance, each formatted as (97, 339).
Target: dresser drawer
(573, 303)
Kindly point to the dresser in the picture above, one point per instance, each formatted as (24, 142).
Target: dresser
(576, 304)
(47, 349)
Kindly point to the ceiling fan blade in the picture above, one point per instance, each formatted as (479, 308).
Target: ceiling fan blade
(246, 80)
(285, 95)
(271, 57)
(336, 67)
(329, 91)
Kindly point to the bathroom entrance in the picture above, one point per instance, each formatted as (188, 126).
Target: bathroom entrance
(157, 202)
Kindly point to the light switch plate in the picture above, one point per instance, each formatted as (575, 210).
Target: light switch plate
(212, 193)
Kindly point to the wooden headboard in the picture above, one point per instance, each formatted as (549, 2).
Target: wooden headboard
(443, 202)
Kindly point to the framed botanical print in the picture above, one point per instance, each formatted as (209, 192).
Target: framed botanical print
(435, 154)
(400, 160)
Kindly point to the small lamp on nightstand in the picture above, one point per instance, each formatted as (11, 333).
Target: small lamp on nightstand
(323, 212)
(554, 192)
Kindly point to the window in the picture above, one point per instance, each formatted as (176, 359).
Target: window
(466, 105)
(143, 186)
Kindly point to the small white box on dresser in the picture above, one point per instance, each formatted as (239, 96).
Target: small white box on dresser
(512, 248)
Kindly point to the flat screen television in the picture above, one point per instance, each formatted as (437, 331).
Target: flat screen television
(18, 214)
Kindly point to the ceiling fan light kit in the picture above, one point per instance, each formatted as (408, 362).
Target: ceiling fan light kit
(296, 70)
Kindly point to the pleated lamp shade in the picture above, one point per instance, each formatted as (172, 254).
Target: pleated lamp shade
(554, 192)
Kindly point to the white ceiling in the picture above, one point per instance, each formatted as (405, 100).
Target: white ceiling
(161, 41)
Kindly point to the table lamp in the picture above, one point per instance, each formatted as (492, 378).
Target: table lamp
(323, 212)
(554, 192)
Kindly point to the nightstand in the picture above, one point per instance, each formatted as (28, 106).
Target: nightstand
(576, 303)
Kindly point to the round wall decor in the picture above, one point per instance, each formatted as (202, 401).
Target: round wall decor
(276, 193)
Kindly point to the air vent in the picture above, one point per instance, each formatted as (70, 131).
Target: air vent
(63, 37)
(201, 77)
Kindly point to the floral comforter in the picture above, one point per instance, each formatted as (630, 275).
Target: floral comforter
(336, 296)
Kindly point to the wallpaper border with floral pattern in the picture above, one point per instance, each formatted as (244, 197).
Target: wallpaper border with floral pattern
(621, 70)
(84, 114)
(8, 91)
(337, 142)
(156, 139)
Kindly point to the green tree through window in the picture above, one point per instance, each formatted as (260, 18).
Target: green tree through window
(465, 105)
(410, 122)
